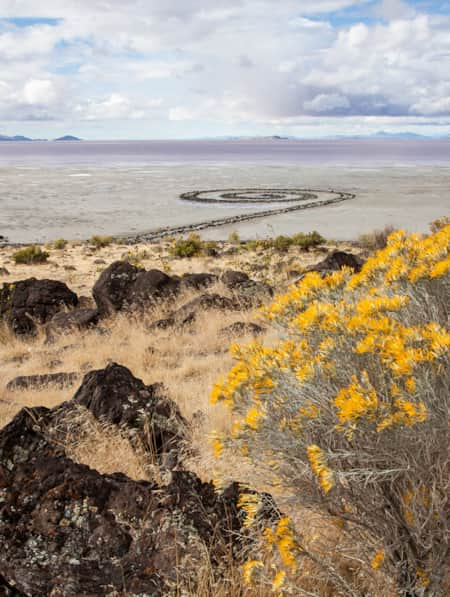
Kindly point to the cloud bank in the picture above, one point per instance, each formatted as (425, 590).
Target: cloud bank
(197, 67)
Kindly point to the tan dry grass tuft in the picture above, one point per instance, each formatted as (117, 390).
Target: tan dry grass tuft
(375, 240)
(101, 447)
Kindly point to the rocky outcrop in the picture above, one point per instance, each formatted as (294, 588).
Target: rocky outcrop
(40, 382)
(25, 304)
(152, 286)
(111, 289)
(124, 286)
(113, 395)
(66, 529)
(189, 312)
(336, 261)
(248, 292)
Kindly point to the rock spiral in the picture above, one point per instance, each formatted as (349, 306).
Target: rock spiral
(298, 199)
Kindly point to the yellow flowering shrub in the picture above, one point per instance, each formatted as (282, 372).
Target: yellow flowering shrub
(350, 407)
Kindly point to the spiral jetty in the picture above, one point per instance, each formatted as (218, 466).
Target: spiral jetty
(298, 199)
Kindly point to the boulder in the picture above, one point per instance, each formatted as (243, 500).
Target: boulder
(152, 286)
(4, 271)
(66, 529)
(113, 395)
(41, 382)
(111, 289)
(198, 281)
(336, 261)
(122, 285)
(76, 319)
(248, 292)
(27, 303)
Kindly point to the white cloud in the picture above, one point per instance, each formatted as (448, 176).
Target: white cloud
(116, 107)
(222, 60)
(40, 92)
(356, 36)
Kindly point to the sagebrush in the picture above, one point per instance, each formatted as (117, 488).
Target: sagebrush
(30, 255)
(348, 411)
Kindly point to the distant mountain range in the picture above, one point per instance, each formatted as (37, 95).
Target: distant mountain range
(377, 135)
(22, 138)
(386, 135)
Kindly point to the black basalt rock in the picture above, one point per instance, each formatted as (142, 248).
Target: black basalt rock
(28, 303)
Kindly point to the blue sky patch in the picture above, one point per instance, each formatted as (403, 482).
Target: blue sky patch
(31, 21)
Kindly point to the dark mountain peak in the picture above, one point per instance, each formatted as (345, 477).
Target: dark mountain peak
(67, 138)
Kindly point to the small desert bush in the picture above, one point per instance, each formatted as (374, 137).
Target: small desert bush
(187, 247)
(234, 238)
(375, 240)
(30, 255)
(348, 411)
(282, 243)
(99, 242)
(308, 240)
(60, 243)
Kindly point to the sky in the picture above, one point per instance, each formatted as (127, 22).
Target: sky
(155, 69)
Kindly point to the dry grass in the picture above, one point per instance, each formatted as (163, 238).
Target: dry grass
(375, 240)
(101, 446)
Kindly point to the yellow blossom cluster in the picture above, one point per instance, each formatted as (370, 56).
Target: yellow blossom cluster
(356, 401)
(407, 258)
(319, 467)
(283, 538)
(249, 569)
(360, 399)
(250, 503)
(277, 570)
(378, 559)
